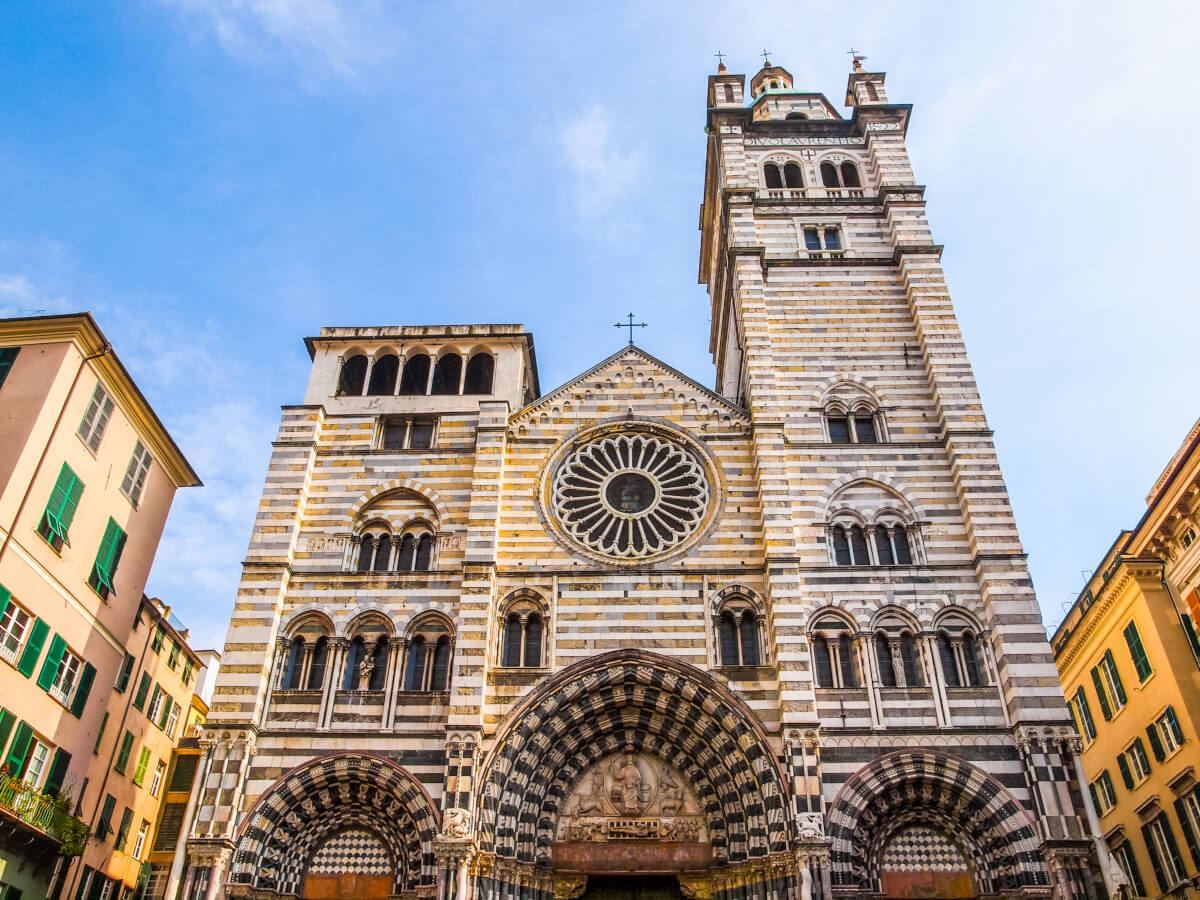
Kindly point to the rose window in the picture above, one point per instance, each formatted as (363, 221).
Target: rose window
(630, 496)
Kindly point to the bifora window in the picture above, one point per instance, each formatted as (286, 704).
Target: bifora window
(630, 496)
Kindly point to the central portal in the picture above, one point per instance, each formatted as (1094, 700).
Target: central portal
(632, 887)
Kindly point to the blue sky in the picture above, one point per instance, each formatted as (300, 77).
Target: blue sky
(216, 179)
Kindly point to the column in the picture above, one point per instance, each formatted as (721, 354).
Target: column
(276, 672)
(395, 658)
(937, 679)
(462, 375)
(337, 652)
(400, 361)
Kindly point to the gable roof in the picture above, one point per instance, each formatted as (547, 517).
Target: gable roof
(629, 352)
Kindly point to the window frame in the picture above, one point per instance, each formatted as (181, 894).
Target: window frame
(1137, 760)
(13, 609)
(136, 474)
(67, 679)
(139, 842)
(156, 780)
(1089, 733)
(1103, 789)
(409, 423)
(810, 233)
(1170, 732)
(35, 778)
(8, 358)
(96, 417)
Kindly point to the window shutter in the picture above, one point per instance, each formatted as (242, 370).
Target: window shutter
(7, 720)
(1173, 724)
(139, 772)
(20, 748)
(58, 771)
(124, 674)
(1189, 834)
(139, 701)
(100, 733)
(104, 826)
(1105, 709)
(1155, 862)
(1095, 798)
(1155, 743)
(53, 660)
(123, 757)
(1123, 765)
(166, 712)
(5, 597)
(33, 649)
(81, 693)
(1118, 688)
(1137, 652)
(123, 831)
(1172, 848)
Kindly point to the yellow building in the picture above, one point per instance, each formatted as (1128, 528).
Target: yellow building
(1129, 659)
(153, 711)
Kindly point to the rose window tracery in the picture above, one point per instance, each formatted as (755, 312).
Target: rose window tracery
(631, 495)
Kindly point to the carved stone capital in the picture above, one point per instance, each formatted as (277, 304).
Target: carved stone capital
(696, 885)
(568, 887)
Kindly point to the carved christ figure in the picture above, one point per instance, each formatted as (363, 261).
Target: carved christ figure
(627, 783)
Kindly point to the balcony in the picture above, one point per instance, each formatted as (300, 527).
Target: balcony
(41, 814)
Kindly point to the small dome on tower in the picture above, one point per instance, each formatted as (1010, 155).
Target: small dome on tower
(770, 78)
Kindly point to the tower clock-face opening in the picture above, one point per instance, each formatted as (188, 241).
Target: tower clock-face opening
(630, 495)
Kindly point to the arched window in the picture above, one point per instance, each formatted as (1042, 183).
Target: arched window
(383, 376)
(512, 640)
(416, 375)
(727, 639)
(858, 547)
(822, 662)
(883, 546)
(446, 374)
(850, 175)
(773, 177)
(748, 629)
(383, 553)
(864, 428)
(899, 538)
(414, 675)
(408, 549)
(354, 373)
(354, 657)
(908, 657)
(479, 374)
(424, 553)
(841, 546)
(429, 651)
(379, 658)
(833, 652)
(949, 663)
(839, 426)
(845, 175)
(829, 175)
(971, 660)
(792, 176)
(883, 654)
(533, 640)
(440, 676)
(366, 553)
(294, 667)
(316, 668)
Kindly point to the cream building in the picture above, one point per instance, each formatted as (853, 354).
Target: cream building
(87, 476)
(637, 637)
(1128, 653)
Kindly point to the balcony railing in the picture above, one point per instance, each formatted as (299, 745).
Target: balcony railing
(36, 810)
(811, 193)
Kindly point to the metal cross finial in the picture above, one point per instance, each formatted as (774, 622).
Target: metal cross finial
(765, 54)
(630, 325)
(858, 58)
(720, 58)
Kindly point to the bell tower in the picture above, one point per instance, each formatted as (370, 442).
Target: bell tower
(902, 608)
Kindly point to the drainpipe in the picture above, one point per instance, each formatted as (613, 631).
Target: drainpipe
(1178, 612)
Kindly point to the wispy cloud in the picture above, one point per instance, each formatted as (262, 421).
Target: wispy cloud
(343, 38)
(601, 168)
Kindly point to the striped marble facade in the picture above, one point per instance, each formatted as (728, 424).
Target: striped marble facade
(810, 787)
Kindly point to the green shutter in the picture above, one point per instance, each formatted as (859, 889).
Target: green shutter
(33, 648)
(58, 647)
(124, 674)
(1155, 742)
(1118, 688)
(1137, 652)
(109, 555)
(58, 771)
(156, 644)
(1172, 847)
(7, 720)
(86, 677)
(105, 824)
(1095, 798)
(5, 597)
(1173, 724)
(64, 498)
(123, 757)
(166, 711)
(100, 733)
(1105, 709)
(1126, 775)
(123, 831)
(19, 749)
(1155, 863)
(139, 773)
(139, 701)
(1189, 834)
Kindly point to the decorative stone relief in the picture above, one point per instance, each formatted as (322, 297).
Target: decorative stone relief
(456, 823)
(632, 796)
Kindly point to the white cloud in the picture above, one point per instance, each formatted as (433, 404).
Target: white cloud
(601, 170)
(343, 37)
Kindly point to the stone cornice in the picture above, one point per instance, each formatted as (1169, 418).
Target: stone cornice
(1126, 571)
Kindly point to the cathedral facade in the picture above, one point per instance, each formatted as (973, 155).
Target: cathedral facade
(633, 636)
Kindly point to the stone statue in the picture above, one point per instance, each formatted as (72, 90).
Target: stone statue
(457, 823)
(365, 668)
(627, 783)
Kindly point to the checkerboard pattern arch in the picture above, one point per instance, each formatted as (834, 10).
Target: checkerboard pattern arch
(298, 816)
(657, 705)
(912, 788)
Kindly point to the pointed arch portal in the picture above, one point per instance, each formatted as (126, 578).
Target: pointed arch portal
(606, 716)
